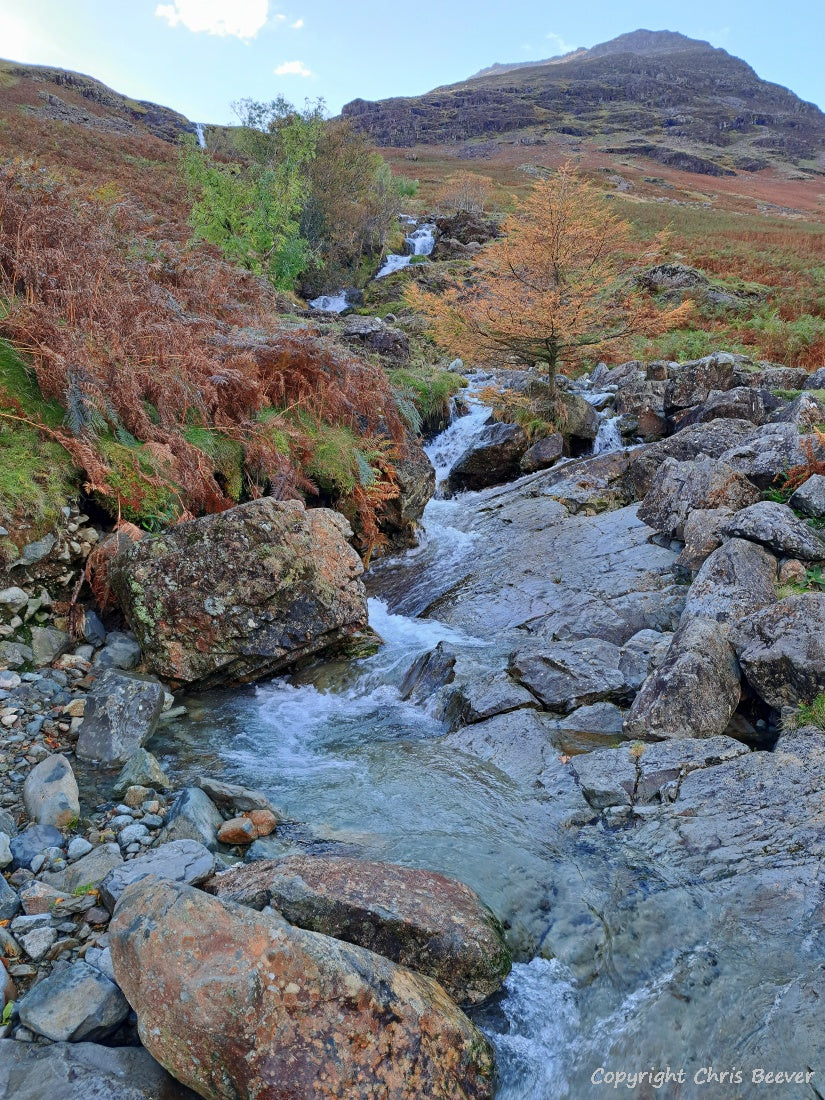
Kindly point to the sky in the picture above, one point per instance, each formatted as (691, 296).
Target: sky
(199, 56)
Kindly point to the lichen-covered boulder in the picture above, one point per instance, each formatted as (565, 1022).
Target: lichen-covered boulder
(239, 1003)
(418, 918)
(680, 487)
(782, 649)
(775, 526)
(230, 598)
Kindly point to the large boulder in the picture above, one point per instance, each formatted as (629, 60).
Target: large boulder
(420, 919)
(775, 526)
(782, 650)
(50, 792)
(694, 691)
(644, 401)
(493, 458)
(710, 440)
(84, 1071)
(543, 453)
(121, 714)
(680, 487)
(239, 1003)
(376, 335)
(566, 675)
(192, 816)
(244, 594)
(766, 453)
(735, 580)
(693, 382)
(740, 403)
(73, 1004)
(810, 496)
(702, 534)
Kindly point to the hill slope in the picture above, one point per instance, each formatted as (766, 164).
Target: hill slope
(658, 94)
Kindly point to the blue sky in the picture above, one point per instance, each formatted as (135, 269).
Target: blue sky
(199, 55)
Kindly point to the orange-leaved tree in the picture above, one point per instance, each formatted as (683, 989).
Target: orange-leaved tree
(557, 287)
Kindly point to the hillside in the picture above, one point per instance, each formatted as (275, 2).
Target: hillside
(672, 99)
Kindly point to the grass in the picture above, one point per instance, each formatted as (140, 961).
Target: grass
(423, 394)
(808, 714)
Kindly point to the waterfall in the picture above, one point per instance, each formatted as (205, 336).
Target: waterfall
(330, 303)
(200, 135)
(420, 242)
(608, 437)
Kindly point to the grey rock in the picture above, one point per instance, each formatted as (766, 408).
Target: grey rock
(641, 775)
(810, 496)
(680, 487)
(702, 535)
(74, 1004)
(694, 691)
(805, 411)
(48, 643)
(474, 698)
(179, 861)
(94, 632)
(231, 797)
(142, 769)
(120, 651)
(641, 654)
(101, 959)
(765, 453)
(9, 901)
(15, 654)
(132, 833)
(31, 842)
(37, 942)
(5, 850)
(12, 600)
(543, 453)
(121, 715)
(597, 718)
(775, 526)
(782, 650)
(493, 458)
(739, 403)
(710, 440)
(35, 552)
(644, 402)
(566, 675)
(693, 382)
(88, 871)
(737, 579)
(428, 673)
(193, 816)
(50, 792)
(78, 847)
(816, 380)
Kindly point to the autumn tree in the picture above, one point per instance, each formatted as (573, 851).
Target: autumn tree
(465, 191)
(557, 287)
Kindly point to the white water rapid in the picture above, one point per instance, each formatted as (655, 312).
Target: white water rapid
(420, 243)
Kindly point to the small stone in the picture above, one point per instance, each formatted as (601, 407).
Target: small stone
(131, 834)
(37, 897)
(238, 830)
(9, 901)
(5, 851)
(32, 841)
(135, 796)
(74, 1004)
(792, 571)
(265, 821)
(78, 847)
(38, 942)
(50, 792)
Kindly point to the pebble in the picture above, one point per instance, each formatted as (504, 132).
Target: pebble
(132, 833)
(78, 847)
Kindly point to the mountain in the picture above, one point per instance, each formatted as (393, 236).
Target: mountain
(657, 94)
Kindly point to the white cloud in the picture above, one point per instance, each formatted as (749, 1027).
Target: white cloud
(280, 17)
(292, 68)
(559, 44)
(296, 26)
(238, 18)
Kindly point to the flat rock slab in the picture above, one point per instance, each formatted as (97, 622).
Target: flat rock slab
(567, 675)
(782, 650)
(88, 871)
(243, 594)
(178, 861)
(694, 691)
(641, 775)
(225, 994)
(72, 1004)
(775, 526)
(418, 918)
(121, 714)
(84, 1071)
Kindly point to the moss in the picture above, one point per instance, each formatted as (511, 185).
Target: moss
(428, 389)
(808, 714)
(225, 453)
(140, 487)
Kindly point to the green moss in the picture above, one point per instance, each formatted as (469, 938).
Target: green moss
(423, 393)
(140, 486)
(808, 714)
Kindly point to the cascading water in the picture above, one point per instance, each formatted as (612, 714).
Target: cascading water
(199, 134)
(331, 303)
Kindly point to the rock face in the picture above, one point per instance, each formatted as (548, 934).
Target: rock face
(766, 452)
(694, 691)
(680, 487)
(493, 459)
(702, 535)
(416, 484)
(374, 335)
(121, 715)
(84, 1071)
(420, 919)
(782, 650)
(810, 496)
(544, 453)
(232, 597)
(776, 527)
(566, 675)
(710, 439)
(50, 792)
(239, 1003)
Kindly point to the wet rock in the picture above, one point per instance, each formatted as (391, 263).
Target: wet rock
(417, 918)
(493, 458)
(766, 453)
(47, 644)
(775, 526)
(73, 1004)
(193, 816)
(576, 417)
(84, 1071)
(197, 972)
(543, 453)
(50, 792)
(475, 698)
(710, 440)
(32, 841)
(644, 774)
(415, 475)
(782, 650)
(243, 594)
(232, 798)
(88, 871)
(680, 487)
(178, 861)
(120, 651)
(238, 830)
(566, 675)
(142, 769)
(810, 496)
(694, 691)
(702, 535)
(589, 485)
(736, 579)
(121, 714)
(428, 673)
(644, 401)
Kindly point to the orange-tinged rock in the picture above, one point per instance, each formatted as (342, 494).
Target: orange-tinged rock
(238, 830)
(238, 1003)
(264, 821)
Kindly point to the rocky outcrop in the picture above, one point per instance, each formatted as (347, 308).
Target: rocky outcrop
(400, 516)
(236, 1002)
(782, 650)
(694, 691)
(417, 918)
(765, 453)
(243, 594)
(681, 487)
(775, 527)
(493, 458)
(373, 334)
(735, 580)
(710, 439)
